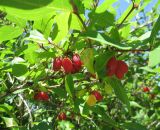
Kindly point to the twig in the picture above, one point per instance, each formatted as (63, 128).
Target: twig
(133, 7)
(50, 42)
(27, 107)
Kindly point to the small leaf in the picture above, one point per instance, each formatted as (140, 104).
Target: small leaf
(87, 57)
(69, 85)
(19, 69)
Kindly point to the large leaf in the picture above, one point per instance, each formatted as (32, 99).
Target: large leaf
(34, 9)
(9, 32)
(69, 85)
(63, 26)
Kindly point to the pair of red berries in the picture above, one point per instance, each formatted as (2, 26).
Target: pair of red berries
(116, 67)
(62, 116)
(69, 66)
(146, 89)
(41, 96)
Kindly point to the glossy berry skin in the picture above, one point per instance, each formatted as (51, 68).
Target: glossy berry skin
(111, 66)
(57, 63)
(77, 63)
(67, 65)
(116, 67)
(146, 89)
(97, 94)
(62, 116)
(41, 96)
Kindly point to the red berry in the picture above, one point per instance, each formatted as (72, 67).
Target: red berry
(57, 63)
(62, 116)
(67, 65)
(41, 96)
(111, 66)
(119, 74)
(122, 66)
(146, 89)
(98, 96)
(77, 63)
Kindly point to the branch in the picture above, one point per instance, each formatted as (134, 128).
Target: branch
(133, 7)
(75, 11)
(27, 107)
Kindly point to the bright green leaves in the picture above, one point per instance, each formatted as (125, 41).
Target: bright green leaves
(44, 25)
(28, 9)
(62, 23)
(9, 32)
(154, 57)
(30, 53)
(119, 91)
(69, 85)
(87, 58)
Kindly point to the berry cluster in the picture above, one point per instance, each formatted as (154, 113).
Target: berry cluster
(94, 97)
(69, 65)
(116, 67)
(41, 96)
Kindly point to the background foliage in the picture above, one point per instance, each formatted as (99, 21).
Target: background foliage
(33, 33)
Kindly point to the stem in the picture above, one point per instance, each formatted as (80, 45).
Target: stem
(133, 7)
(27, 107)
(50, 42)
(75, 11)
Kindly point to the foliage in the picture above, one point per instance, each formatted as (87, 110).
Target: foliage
(34, 33)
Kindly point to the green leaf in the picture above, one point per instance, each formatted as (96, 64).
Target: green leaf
(100, 63)
(60, 92)
(155, 30)
(44, 25)
(154, 57)
(87, 58)
(19, 69)
(119, 91)
(105, 40)
(9, 32)
(99, 110)
(69, 85)
(30, 53)
(134, 126)
(10, 122)
(28, 9)
(63, 26)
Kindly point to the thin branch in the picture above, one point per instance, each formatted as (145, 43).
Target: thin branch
(50, 42)
(27, 107)
(133, 7)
